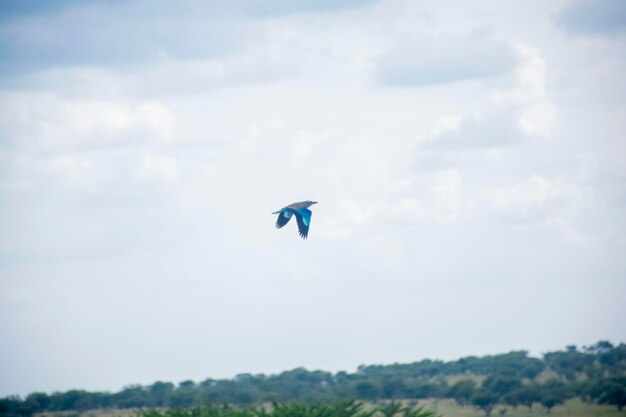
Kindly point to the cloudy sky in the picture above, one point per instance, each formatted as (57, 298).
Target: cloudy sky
(469, 159)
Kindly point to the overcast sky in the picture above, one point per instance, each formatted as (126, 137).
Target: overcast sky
(469, 159)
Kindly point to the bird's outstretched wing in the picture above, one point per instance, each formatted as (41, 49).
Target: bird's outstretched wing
(303, 217)
(283, 217)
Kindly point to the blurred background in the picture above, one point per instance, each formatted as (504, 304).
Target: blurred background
(468, 159)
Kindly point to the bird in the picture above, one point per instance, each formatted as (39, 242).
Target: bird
(302, 213)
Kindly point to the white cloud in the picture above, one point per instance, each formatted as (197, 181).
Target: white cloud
(79, 118)
(531, 199)
(538, 115)
(539, 119)
(410, 208)
(524, 110)
(446, 123)
(305, 141)
(479, 131)
(443, 200)
(77, 170)
(531, 74)
(158, 168)
(46, 121)
(449, 202)
(436, 197)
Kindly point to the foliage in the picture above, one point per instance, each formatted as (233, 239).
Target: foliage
(525, 396)
(502, 384)
(294, 409)
(553, 392)
(594, 373)
(485, 400)
(610, 391)
(462, 391)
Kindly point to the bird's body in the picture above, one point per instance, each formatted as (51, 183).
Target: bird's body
(303, 216)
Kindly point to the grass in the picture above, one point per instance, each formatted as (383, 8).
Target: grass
(445, 408)
(572, 408)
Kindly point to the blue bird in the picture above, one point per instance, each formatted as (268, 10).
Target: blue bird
(302, 213)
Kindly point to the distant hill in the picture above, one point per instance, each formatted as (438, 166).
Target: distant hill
(595, 374)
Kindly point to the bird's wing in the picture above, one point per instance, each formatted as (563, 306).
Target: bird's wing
(283, 217)
(303, 217)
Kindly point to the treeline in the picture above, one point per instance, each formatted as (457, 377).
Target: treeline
(342, 408)
(595, 373)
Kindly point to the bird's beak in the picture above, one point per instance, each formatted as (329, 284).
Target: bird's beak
(314, 202)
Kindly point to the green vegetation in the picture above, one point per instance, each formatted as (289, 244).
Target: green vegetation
(570, 408)
(440, 408)
(334, 409)
(489, 385)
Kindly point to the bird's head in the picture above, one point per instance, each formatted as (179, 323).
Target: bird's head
(309, 203)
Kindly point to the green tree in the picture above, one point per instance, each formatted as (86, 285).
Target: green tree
(525, 396)
(502, 384)
(392, 388)
(484, 400)
(13, 406)
(160, 393)
(132, 396)
(614, 394)
(368, 390)
(569, 363)
(462, 391)
(419, 388)
(40, 401)
(553, 392)
(186, 385)
(610, 391)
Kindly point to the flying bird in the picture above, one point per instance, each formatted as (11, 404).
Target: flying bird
(302, 213)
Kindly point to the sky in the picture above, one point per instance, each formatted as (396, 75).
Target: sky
(469, 160)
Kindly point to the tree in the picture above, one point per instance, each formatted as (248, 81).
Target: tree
(418, 388)
(601, 346)
(553, 392)
(462, 391)
(38, 400)
(502, 384)
(367, 390)
(525, 396)
(187, 384)
(13, 406)
(611, 391)
(132, 396)
(569, 363)
(613, 360)
(484, 400)
(160, 393)
(392, 388)
(70, 400)
(550, 399)
(614, 394)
